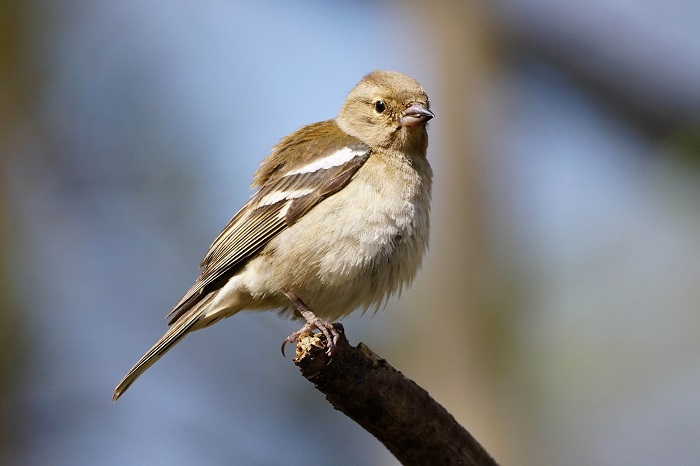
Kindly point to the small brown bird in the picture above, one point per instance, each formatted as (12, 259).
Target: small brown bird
(339, 221)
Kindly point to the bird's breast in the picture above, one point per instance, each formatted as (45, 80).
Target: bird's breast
(363, 243)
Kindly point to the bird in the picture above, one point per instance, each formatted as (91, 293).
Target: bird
(339, 220)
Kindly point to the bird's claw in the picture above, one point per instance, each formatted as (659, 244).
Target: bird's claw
(326, 328)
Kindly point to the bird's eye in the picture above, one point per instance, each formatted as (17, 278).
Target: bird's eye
(380, 106)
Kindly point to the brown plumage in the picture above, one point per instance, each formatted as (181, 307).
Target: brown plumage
(339, 220)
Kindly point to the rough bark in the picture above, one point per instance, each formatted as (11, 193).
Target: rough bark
(393, 408)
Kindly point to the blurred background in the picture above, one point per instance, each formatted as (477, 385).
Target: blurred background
(557, 312)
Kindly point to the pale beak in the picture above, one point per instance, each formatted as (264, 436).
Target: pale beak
(416, 114)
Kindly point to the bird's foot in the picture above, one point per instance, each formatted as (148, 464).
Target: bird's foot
(312, 322)
(295, 336)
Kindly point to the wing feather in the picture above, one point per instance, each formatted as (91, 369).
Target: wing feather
(289, 193)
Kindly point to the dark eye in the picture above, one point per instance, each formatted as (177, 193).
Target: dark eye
(380, 106)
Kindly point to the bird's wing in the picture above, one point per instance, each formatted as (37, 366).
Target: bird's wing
(289, 192)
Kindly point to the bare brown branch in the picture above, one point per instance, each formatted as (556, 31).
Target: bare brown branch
(393, 408)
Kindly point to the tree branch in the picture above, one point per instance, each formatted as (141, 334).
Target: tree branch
(393, 408)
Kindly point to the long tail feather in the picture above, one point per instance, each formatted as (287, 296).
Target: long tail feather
(174, 334)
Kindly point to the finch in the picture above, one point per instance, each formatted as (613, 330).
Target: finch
(339, 221)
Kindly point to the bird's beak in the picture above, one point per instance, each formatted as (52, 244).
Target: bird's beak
(416, 114)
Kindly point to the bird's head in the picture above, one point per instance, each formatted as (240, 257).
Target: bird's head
(387, 110)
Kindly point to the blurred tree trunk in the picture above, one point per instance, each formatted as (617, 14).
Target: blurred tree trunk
(449, 302)
(15, 88)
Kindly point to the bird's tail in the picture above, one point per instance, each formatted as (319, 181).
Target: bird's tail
(174, 334)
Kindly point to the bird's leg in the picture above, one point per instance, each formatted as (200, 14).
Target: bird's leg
(312, 322)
